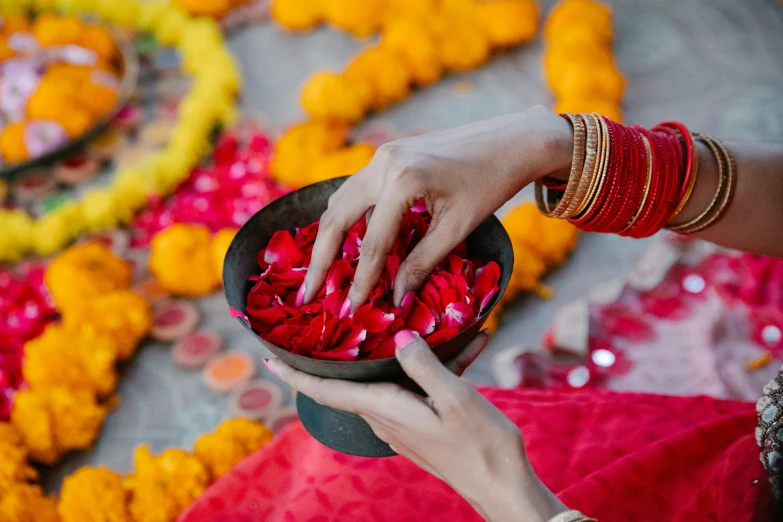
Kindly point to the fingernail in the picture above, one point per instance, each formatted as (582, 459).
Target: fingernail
(403, 338)
(269, 366)
(345, 311)
(300, 295)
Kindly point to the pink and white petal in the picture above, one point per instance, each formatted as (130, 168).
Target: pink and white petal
(282, 249)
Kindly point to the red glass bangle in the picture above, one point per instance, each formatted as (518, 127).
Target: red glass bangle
(665, 199)
(631, 170)
(689, 159)
(553, 184)
(616, 185)
(657, 186)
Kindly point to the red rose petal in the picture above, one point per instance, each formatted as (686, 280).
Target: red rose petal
(458, 315)
(442, 335)
(282, 249)
(346, 354)
(340, 275)
(306, 235)
(487, 298)
(421, 319)
(486, 279)
(372, 319)
(267, 316)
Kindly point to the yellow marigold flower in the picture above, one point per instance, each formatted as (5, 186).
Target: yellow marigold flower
(343, 162)
(162, 487)
(508, 22)
(27, 503)
(297, 15)
(528, 269)
(570, 15)
(461, 43)
(358, 17)
(67, 358)
(214, 8)
(552, 239)
(421, 9)
(84, 271)
(94, 495)
(15, 239)
(53, 421)
(181, 260)
(327, 95)
(576, 104)
(13, 458)
(300, 145)
(57, 228)
(412, 39)
(384, 71)
(229, 444)
(220, 243)
(100, 211)
(599, 79)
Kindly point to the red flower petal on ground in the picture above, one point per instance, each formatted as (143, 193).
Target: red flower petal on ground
(421, 319)
(618, 320)
(282, 249)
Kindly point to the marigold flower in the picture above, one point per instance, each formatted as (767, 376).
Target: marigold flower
(181, 260)
(599, 79)
(27, 503)
(343, 162)
(52, 30)
(461, 43)
(327, 95)
(414, 42)
(358, 17)
(94, 494)
(572, 14)
(64, 358)
(99, 40)
(508, 22)
(85, 271)
(163, 486)
(229, 444)
(552, 239)
(12, 143)
(53, 421)
(297, 15)
(17, 230)
(220, 243)
(383, 71)
(528, 269)
(213, 8)
(300, 145)
(13, 459)
(56, 229)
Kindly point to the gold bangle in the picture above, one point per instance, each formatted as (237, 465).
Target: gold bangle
(593, 143)
(571, 516)
(598, 180)
(722, 180)
(647, 185)
(728, 194)
(577, 163)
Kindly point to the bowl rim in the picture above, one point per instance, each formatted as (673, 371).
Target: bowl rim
(491, 220)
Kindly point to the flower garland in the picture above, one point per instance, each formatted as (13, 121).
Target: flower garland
(210, 102)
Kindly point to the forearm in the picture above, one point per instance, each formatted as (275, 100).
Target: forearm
(754, 220)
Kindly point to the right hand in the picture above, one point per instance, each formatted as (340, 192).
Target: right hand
(463, 174)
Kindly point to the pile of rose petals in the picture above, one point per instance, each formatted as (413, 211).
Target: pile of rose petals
(25, 310)
(450, 301)
(222, 195)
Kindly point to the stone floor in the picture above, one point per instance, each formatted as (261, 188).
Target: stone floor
(716, 65)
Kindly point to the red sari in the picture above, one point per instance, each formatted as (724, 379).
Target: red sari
(618, 457)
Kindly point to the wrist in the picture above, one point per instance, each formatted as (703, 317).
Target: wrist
(555, 151)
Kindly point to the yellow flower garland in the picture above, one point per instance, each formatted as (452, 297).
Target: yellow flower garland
(210, 102)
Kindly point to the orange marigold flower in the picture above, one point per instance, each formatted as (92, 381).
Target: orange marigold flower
(343, 162)
(99, 40)
(327, 95)
(358, 17)
(422, 9)
(52, 30)
(12, 144)
(213, 8)
(297, 15)
(97, 98)
(94, 494)
(53, 421)
(527, 273)
(552, 239)
(181, 260)
(414, 42)
(384, 71)
(27, 503)
(70, 359)
(508, 22)
(461, 43)
(15, 23)
(5, 51)
(220, 243)
(123, 316)
(230, 443)
(13, 458)
(569, 15)
(162, 487)
(85, 271)
(300, 145)
(599, 79)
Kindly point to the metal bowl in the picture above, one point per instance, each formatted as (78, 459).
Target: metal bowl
(342, 431)
(129, 68)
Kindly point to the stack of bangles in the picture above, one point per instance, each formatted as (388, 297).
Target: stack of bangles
(632, 181)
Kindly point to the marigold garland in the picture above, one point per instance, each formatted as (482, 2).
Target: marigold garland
(210, 102)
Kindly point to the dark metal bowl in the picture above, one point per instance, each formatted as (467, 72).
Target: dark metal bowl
(130, 69)
(489, 242)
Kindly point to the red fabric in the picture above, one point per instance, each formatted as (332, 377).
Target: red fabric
(615, 456)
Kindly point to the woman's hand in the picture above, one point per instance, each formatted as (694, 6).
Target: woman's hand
(454, 433)
(463, 174)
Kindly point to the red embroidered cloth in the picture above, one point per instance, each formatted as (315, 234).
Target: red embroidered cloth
(614, 456)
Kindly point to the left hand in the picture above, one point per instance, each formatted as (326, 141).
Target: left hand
(491, 471)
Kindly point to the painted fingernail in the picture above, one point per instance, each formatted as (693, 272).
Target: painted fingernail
(403, 338)
(300, 295)
(345, 311)
(269, 366)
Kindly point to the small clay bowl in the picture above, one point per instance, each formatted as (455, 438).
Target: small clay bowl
(341, 431)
